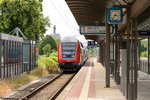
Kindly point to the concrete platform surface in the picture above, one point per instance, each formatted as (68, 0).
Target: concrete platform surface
(89, 84)
(143, 86)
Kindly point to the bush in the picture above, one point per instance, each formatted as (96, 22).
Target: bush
(144, 54)
(43, 62)
(47, 49)
(49, 64)
(54, 53)
(54, 58)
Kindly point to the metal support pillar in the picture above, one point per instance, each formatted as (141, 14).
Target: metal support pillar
(131, 68)
(113, 58)
(128, 52)
(135, 59)
(107, 56)
(117, 57)
(123, 66)
(118, 60)
(116, 54)
(102, 52)
(132, 87)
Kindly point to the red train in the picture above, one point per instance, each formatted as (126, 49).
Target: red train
(71, 54)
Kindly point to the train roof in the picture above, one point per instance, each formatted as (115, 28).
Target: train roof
(69, 39)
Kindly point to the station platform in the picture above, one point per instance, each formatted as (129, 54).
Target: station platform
(89, 84)
(143, 88)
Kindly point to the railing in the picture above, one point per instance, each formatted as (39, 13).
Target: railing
(143, 65)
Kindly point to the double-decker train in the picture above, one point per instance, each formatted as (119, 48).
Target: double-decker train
(71, 54)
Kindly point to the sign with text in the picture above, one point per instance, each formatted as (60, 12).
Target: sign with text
(144, 33)
(94, 29)
(91, 43)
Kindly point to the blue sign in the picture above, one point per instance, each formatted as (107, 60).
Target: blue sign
(114, 15)
(94, 29)
(144, 33)
(91, 43)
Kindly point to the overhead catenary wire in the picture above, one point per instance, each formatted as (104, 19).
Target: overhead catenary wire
(73, 25)
(62, 16)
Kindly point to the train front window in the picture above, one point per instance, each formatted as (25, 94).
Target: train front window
(68, 49)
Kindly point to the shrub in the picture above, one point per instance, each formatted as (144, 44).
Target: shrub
(49, 64)
(54, 53)
(144, 54)
(43, 62)
(47, 49)
(54, 58)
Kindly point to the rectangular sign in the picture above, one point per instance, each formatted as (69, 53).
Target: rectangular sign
(94, 29)
(144, 33)
(114, 15)
(91, 43)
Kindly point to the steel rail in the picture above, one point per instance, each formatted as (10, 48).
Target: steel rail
(61, 89)
(34, 92)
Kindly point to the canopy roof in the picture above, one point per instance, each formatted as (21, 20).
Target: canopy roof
(92, 12)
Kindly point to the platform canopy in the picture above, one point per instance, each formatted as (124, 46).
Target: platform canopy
(92, 12)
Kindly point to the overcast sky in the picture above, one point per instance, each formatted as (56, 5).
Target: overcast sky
(61, 16)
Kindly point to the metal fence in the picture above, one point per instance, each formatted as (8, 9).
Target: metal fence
(16, 55)
(143, 65)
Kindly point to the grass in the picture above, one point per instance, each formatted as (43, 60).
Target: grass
(5, 88)
(7, 85)
(46, 65)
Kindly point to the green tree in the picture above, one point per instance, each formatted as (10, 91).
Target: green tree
(47, 49)
(144, 54)
(143, 48)
(25, 14)
(47, 40)
(143, 45)
(57, 41)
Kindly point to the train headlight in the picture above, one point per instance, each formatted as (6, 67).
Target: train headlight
(64, 56)
(72, 56)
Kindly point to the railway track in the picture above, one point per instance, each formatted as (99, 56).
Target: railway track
(51, 89)
(61, 89)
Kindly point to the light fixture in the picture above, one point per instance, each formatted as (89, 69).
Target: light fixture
(96, 22)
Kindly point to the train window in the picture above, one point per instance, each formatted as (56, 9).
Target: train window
(68, 49)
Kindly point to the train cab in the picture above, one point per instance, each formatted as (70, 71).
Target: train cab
(70, 54)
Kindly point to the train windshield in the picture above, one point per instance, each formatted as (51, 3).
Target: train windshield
(68, 49)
